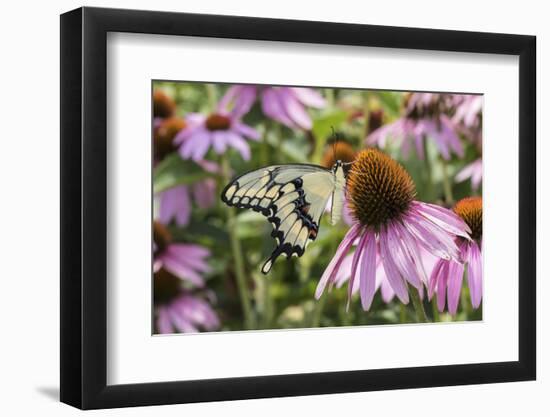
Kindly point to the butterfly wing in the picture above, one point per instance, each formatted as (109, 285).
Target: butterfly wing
(292, 197)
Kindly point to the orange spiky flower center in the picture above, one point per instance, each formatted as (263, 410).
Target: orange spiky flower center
(337, 151)
(470, 209)
(161, 236)
(379, 189)
(165, 134)
(163, 105)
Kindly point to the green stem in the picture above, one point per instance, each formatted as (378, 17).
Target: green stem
(447, 187)
(429, 173)
(421, 316)
(238, 258)
(402, 313)
(435, 311)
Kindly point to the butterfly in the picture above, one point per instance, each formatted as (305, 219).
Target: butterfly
(292, 197)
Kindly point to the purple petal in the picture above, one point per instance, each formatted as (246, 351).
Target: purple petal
(390, 268)
(295, 110)
(273, 108)
(435, 240)
(444, 218)
(336, 261)
(367, 275)
(219, 142)
(456, 272)
(237, 142)
(475, 274)
(308, 96)
(204, 193)
(164, 325)
(434, 277)
(246, 130)
(175, 202)
(182, 271)
(201, 147)
(442, 285)
(403, 261)
(355, 262)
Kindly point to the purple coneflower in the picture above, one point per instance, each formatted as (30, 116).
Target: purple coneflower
(179, 310)
(286, 105)
(175, 203)
(474, 171)
(425, 117)
(184, 260)
(468, 118)
(392, 226)
(446, 277)
(219, 130)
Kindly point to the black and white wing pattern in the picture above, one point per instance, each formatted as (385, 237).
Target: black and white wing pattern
(292, 197)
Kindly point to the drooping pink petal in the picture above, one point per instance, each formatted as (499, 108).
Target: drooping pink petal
(337, 259)
(246, 130)
(200, 136)
(175, 203)
(182, 271)
(431, 237)
(444, 218)
(308, 96)
(367, 282)
(442, 282)
(392, 273)
(401, 257)
(201, 147)
(204, 193)
(355, 262)
(434, 277)
(295, 110)
(219, 142)
(237, 142)
(238, 100)
(475, 274)
(164, 325)
(411, 247)
(273, 108)
(456, 272)
(188, 250)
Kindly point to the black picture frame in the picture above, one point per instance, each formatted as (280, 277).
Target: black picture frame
(84, 207)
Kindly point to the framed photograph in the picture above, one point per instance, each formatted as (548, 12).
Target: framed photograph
(259, 208)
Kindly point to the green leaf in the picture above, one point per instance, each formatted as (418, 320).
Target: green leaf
(173, 171)
(322, 126)
(391, 101)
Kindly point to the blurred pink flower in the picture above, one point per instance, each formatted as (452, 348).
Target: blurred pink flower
(390, 227)
(184, 260)
(468, 118)
(446, 276)
(219, 130)
(185, 313)
(286, 105)
(474, 171)
(175, 203)
(425, 117)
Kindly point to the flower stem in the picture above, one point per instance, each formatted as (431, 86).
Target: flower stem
(421, 316)
(447, 187)
(238, 258)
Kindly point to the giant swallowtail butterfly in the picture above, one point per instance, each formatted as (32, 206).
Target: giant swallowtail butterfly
(292, 197)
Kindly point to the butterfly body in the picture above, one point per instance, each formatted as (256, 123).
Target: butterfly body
(292, 197)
